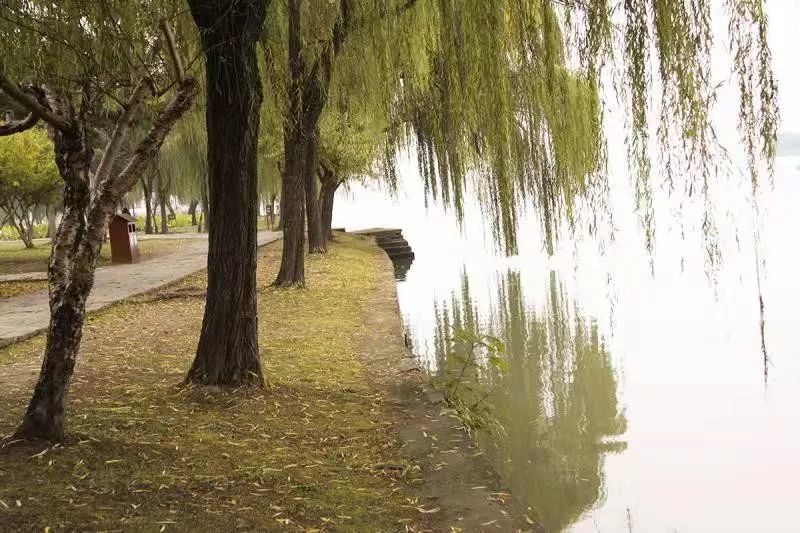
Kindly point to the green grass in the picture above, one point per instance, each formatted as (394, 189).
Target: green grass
(300, 455)
(9, 289)
(16, 259)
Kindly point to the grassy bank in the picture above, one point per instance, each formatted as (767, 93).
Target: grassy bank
(308, 453)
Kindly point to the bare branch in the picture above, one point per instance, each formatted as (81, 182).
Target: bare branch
(30, 104)
(121, 131)
(180, 74)
(152, 142)
(17, 126)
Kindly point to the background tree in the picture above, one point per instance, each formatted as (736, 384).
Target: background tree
(305, 44)
(183, 162)
(89, 59)
(354, 141)
(29, 180)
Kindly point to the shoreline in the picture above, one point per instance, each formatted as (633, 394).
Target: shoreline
(459, 480)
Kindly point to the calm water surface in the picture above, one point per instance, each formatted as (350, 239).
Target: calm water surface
(634, 400)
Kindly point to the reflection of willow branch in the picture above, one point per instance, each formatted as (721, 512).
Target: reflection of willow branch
(556, 403)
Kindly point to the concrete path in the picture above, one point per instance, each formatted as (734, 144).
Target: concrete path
(24, 316)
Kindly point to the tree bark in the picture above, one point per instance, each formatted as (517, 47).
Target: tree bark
(227, 352)
(193, 211)
(147, 189)
(45, 415)
(163, 198)
(316, 238)
(206, 214)
(162, 205)
(330, 183)
(292, 271)
(308, 96)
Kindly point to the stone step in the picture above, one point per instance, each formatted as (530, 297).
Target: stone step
(404, 255)
(394, 244)
(389, 239)
(384, 233)
(400, 252)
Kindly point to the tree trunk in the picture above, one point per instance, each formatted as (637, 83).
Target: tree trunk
(52, 227)
(316, 239)
(147, 189)
(193, 211)
(70, 277)
(162, 204)
(25, 233)
(292, 271)
(330, 183)
(272, 212)
(163, 197)
(227, 352)
(280, 207)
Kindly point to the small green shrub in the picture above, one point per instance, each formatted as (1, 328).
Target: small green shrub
(466, 378)
(9, 233)
(181, 220)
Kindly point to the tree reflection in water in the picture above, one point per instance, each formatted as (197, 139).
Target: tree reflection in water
(557, 402)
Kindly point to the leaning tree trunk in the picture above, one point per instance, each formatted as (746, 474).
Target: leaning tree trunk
(70, 276)
(74, 255)
(227, 352)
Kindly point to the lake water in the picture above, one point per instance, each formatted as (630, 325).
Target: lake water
(635, 400)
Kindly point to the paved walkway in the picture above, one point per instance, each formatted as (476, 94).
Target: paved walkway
(24, 316)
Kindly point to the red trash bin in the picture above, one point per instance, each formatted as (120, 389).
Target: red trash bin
(122, 237)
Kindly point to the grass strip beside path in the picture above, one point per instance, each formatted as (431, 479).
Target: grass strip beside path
(16, 259)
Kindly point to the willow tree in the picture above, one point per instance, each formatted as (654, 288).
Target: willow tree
(84, 60)
(227, 352)
(509, 100)
(305, 45)
(354, 143)
(183, 162)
